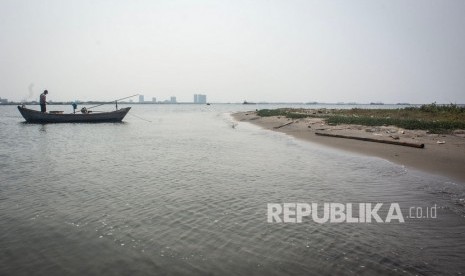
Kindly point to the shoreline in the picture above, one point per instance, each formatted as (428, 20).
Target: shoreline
(443, 154)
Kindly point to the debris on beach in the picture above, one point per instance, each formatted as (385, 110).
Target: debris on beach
(286, 124)
(399, 143)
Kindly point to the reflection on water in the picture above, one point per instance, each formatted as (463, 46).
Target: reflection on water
(43, 127)
(187, 194)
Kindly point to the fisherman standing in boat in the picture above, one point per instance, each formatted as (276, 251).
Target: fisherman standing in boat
(43, 101)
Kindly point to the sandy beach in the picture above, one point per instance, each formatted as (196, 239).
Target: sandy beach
(443, 154)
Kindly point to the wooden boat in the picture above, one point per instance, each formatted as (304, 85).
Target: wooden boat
(34, 116)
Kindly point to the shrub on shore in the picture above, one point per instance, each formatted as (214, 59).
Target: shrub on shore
(285, 112)
(433, 117)
(432, 126)
(447, 108)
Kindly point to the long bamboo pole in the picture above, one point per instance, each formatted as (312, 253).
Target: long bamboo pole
(114, 101)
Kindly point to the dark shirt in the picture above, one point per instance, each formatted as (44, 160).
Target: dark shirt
(43, 98)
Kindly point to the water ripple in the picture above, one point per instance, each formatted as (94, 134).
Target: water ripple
(187, 194)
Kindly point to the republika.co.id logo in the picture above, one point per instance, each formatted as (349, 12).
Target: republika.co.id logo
(345, 213)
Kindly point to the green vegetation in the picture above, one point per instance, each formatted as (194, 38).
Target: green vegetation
(294, 113)
(433, 117)
(272, 112)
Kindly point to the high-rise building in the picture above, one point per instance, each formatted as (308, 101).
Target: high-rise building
(203, 99)
(154, 100)
(200, 99)
(173, 100)
(141, 98)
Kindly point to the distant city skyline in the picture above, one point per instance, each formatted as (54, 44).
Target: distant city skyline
(266, 50)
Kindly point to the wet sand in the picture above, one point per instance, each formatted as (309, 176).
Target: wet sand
(443, 154)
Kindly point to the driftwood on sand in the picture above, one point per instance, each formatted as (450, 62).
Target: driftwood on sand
(286, 124)
(414, 145)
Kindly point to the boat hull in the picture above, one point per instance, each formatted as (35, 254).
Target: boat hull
(34, 116)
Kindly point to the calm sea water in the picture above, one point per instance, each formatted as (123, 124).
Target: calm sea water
(186, 193)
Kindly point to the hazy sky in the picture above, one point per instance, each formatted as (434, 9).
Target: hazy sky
(327, 51)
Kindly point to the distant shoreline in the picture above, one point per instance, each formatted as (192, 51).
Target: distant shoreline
(444, 154)
(93, 102)
(309, 105)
